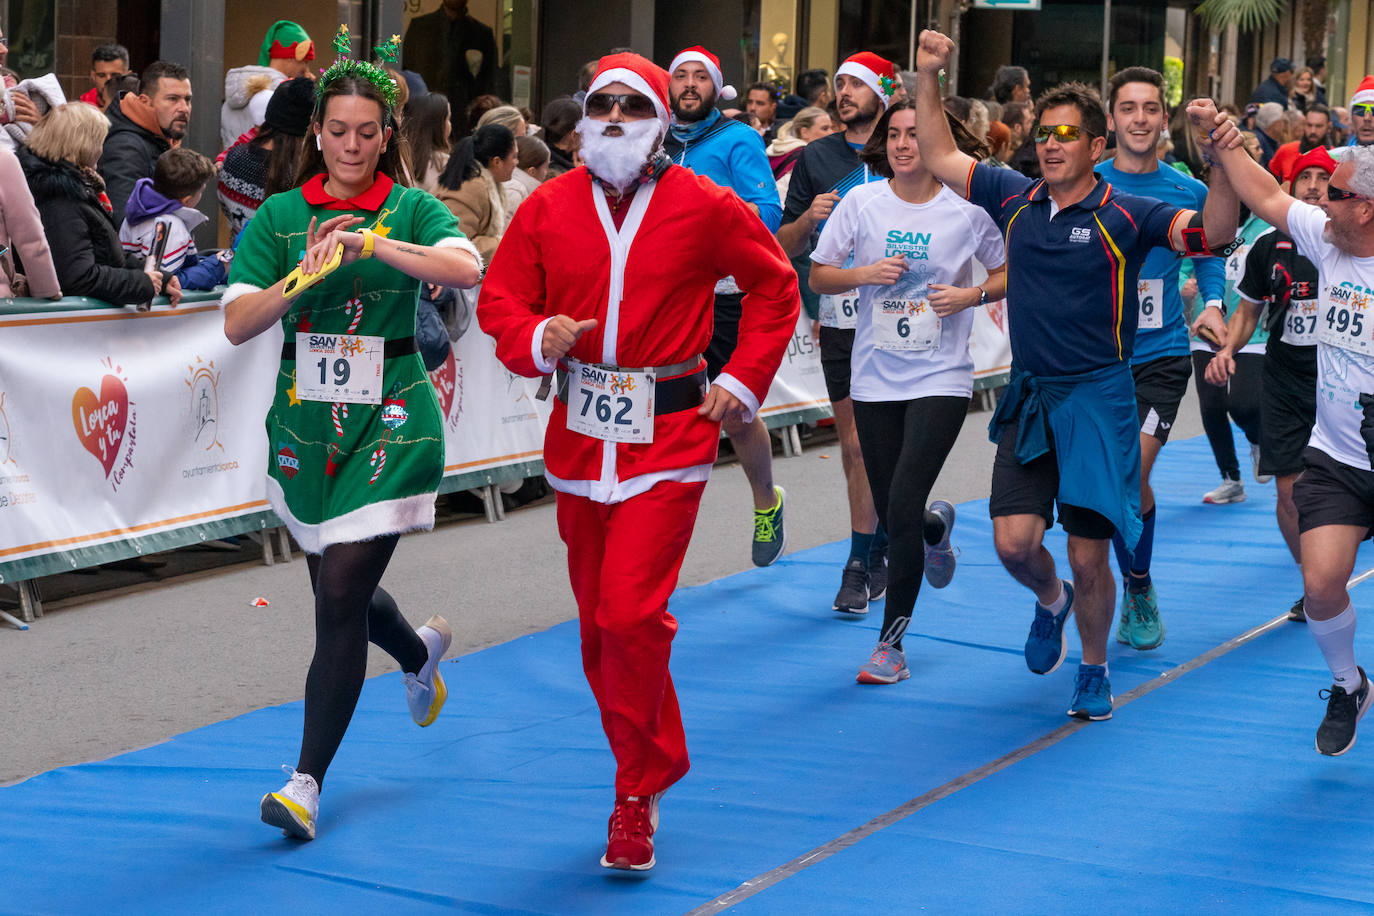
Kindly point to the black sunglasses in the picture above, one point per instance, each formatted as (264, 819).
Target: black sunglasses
(632, 105)
(1335, 193)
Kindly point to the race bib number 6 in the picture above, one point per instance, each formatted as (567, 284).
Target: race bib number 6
(1151, 296)
(840, 311)
(1345, 320)
(342, 368)
(905, 324)
(610, 404)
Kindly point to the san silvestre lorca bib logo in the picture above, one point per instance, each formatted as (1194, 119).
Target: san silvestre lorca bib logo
(105, 422)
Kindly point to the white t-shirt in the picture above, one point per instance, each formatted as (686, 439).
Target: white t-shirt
(1345, 337)
(939, 240)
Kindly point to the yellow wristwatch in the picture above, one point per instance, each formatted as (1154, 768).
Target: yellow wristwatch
(368, 241)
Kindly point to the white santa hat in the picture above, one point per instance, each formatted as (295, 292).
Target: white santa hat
(1364, 93)
(639, 73)
(712, 64)
(873, 71)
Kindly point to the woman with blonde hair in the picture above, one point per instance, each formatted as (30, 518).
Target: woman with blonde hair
(1302, 91)
(809, 124)
(58, 159)
(507, 116)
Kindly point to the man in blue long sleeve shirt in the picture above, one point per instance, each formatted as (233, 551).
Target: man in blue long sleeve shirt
(732, 155)
(1160, 362)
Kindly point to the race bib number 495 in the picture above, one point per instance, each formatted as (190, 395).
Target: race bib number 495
(1345, 320)
(610, 404)
(343, 368)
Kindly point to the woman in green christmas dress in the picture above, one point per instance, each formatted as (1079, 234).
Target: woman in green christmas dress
(355, 436)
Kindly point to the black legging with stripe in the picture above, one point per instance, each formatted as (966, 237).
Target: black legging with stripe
(904, 445)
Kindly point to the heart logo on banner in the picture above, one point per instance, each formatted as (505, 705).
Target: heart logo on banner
(445, 381)
(100, 421)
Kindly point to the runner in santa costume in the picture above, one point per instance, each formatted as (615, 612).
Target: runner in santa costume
(605, 278)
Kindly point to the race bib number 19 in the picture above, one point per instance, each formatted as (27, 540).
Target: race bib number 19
(1345, 320)
(840, 311)
(1151, 296)
(611, 405)
(342, 368)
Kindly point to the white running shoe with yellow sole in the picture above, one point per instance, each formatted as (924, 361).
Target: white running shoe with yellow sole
(425, 691)
(294, 807)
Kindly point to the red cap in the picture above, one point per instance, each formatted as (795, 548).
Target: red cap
(1314, 158)
(639, 73)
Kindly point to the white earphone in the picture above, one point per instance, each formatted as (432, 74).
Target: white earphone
(318, 145)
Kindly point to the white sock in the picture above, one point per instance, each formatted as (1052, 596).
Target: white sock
(1336, 639)
(1057, 605)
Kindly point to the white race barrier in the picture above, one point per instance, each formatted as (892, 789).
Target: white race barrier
(125, 433)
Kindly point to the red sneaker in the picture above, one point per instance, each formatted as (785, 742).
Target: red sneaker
(630, 833)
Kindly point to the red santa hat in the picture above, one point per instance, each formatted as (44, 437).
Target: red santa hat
(712, 64)
(1364, 93)
(1319, 157)
(639, 73)
(873, 71)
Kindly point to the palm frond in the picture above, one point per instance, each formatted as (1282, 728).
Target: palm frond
(1246, 15)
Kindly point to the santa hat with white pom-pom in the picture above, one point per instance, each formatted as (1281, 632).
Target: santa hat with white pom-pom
(712, 64)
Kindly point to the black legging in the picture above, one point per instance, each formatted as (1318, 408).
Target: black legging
(904, 445)
(350, 611)
(1240, 399)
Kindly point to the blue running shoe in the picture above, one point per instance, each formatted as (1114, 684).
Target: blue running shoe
(1046, 646)
(1092, 694)
(940, 557)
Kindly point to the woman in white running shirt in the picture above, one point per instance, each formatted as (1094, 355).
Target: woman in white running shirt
(913, 243)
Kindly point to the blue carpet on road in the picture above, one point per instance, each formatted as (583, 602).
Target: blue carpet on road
(1204, 795)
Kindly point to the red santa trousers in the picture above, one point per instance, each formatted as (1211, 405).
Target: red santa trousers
(623, 560)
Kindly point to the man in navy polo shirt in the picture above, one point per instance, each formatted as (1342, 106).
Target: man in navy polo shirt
(1066, 430)
(732, 155)
(1160, 362)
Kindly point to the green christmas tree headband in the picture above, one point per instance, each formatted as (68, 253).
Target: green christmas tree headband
(344, 67)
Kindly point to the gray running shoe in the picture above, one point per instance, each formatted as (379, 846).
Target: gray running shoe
(940, 558)
(1254, 464)
(770, 538)
(877, 574)
(853, 595)
(1230, 491)
(885, 666)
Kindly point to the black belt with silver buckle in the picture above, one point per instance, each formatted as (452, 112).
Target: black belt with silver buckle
(399, 346)
(671, 395)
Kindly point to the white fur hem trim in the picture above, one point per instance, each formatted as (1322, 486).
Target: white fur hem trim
(234, 290)
(454, 241)
(598, 492)
(392, 516)
(739, 390)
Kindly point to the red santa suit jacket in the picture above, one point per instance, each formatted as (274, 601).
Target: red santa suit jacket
(650, 286)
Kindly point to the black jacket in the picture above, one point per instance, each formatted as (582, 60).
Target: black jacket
(86, 251)
(130, 153)
(1270, 91)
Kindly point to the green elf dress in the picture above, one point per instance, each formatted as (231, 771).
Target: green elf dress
(337, 472)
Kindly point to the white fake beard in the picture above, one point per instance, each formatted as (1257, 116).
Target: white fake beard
(618, 160)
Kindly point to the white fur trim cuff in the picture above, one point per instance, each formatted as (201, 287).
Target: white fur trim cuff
(234, 290)
(545, 366)
(455, 241)
(393, 516)
(739, 390)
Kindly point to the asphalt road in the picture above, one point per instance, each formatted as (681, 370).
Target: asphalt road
(115, 671)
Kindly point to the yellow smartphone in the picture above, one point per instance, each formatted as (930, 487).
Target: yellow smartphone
(298, 282)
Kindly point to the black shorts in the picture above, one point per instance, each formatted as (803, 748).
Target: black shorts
(836, 346)
(724, 333)
(1330, 493)
(1032, 489)
(1287, 415)
(1160, 386)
